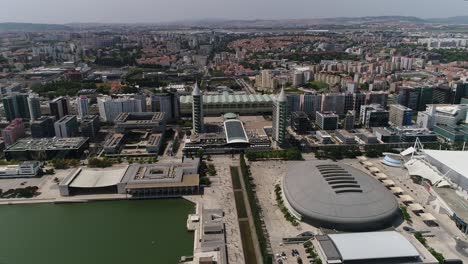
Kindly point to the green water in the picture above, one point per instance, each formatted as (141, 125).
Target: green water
(151, 231)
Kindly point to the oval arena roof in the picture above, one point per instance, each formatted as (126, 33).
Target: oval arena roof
(338, 196)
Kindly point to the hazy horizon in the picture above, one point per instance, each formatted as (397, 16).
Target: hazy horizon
(157, 11)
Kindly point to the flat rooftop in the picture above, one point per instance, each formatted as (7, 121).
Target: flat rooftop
(457, 203)
(48, 144)
(139, 118)
(373, 246)
(160, 175)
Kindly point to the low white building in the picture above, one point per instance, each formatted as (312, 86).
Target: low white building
(443, 114)
(25, 169)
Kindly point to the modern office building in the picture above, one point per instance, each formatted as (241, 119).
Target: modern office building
(366, 136)
(373, 115)
(400, 115)
(380, 98)
(16, 106)
(167, 103)
(156, 122)
(314, 192)
(47, 148)
(13, 132)
(345, 137)
(66, 127)
(300, 122)
(326, 120)
(142, 98)
(333, 102)
(110, 108)
(310, 104)
(294, 102)
(24, 170)
(89, 126)
(458, 133)
(43, 127)
(280, 118)
(59, 107)
(160, 180)
(82, 105)
(349, 120)
(358, 100)
(34, 105)
(197, 110)
(444, 115)
(323, 137)
(415, 98)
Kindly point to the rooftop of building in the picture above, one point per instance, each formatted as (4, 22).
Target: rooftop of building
(235, 132)
(339, 196)
(48, 144)
(457, 203)
(66, 119)
(327, 114)
(162, 175)
(85, 177)
(400, 107)
(139, 117)
(115, 140)
(367, 246)
(229, 98)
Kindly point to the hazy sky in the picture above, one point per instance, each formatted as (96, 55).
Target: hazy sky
(64, 11)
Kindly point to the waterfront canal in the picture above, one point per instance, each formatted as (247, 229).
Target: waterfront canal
(149, 231)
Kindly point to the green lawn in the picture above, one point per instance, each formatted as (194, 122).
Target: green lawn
(240, 205)
(247, 243)
(235, 178)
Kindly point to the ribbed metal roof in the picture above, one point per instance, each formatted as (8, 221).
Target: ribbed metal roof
(229, 98)
(338, 196)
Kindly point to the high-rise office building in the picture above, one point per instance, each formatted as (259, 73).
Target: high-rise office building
(67, 126)
(349, 120)
(415, 98)
(166, 103)
(142, 98)
(43, 127)
(300, 122)
(280, 118)
(110, 108)
(59, 107)
(310, 104)
(89, 126)
(294, 102)
(374, 115)
(34, 105)
(326, 120)
(16, 106)
(197, 110)
(13, 132)
(82, 105)
(400, 115)
(297, 78)
(333, 102)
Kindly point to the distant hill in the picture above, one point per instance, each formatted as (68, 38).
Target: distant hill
(31, 27)
(237, 23)
(451, 20)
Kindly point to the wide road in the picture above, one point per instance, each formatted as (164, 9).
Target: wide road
(249, 89)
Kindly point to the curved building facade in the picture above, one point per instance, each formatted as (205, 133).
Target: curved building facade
(337, 196)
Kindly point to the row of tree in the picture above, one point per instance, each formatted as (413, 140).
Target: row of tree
(287, 154)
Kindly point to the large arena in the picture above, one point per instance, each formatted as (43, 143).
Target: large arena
(337, 196)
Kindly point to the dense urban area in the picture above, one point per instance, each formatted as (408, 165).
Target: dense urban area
(308, 141)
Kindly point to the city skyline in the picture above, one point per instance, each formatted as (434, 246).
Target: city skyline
(146, 11)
